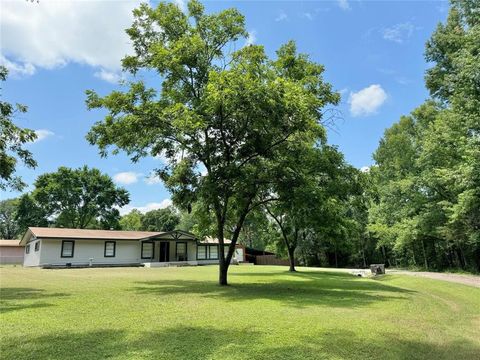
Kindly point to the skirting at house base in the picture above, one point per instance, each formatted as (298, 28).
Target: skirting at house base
(170, 263)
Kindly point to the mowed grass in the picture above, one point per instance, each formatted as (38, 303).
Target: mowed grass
(266, 313)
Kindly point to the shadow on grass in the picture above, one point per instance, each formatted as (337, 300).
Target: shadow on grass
(298, 290)
(349, 346)
(12, 299)
(187, 342)
(182, 342)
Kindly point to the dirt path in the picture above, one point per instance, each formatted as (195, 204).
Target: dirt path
(472, 280)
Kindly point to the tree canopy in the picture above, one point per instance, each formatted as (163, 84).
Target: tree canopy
(9, 227)
(222, 108)
(76, 198)
(12, 141)
(427, 206)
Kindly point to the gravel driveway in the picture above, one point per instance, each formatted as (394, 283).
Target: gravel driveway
(472, 280)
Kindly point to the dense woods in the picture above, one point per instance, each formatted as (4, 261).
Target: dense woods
(265, 175)
(425, 205)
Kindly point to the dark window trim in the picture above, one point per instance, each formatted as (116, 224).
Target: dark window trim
(73, 248)
(37, 246)
(114, 249)
(176, 250)
(27, 249)
(153, 250)
(212, 258)
(206, 252)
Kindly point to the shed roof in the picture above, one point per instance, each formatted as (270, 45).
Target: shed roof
(5, 242)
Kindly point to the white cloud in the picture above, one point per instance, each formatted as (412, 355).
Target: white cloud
(16, 68)
(42, 134)
(282, 16)
(398, 33)
(251, 38)
(127, 178)
(343, 4)
(308, 15)
(109, 76)
(367, 101)
(153, 179)
(50, 34)
(147, 207)
(365, 169)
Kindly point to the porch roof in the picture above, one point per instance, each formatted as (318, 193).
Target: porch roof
(171, 235)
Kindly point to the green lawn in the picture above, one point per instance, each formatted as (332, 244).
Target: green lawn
(267, 313)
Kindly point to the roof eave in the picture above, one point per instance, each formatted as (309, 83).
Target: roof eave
(28, 233)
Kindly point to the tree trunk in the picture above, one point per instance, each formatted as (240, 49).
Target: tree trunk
(224, 261)
(223, 266)
(291, 258)
(336, 257)
(223, 273)
(424, 255)
(364, 259)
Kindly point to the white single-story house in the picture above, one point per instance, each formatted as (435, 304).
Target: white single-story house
(61, 247)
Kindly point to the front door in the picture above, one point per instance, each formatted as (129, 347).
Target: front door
(164, 251)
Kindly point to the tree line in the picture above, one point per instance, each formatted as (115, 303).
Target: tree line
(247, 157)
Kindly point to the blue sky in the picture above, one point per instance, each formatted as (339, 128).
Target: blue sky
(372, 52)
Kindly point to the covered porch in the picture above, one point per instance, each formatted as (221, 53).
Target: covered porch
(173, 248)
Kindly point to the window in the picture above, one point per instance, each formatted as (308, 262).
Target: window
(147, 249)
(109, 249)
(201, 252)
(37, 246)
(213, 252)
(67, 248)
(27, 249)
(181, 251)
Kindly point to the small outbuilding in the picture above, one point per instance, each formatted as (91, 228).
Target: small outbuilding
(11, 252)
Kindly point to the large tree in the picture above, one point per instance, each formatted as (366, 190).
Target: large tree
(160, 220)
(221, 107)
(132, 221)
(76, 198)
(310, 190)
(12, 141)
(9, 227)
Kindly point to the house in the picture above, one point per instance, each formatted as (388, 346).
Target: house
(11, 252)
(61, 247)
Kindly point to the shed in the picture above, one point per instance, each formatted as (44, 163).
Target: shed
(11, 252)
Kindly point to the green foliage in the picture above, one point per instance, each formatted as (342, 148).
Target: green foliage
(427, 209)
(131, 221)
(9, 228)
(160, 220)
(12, 140)
(76, 198)
(229, 112)
(311, 186)
(31, 213)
